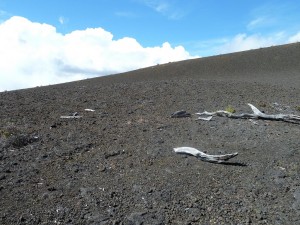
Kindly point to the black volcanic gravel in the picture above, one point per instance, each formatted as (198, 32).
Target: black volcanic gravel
(116, 165)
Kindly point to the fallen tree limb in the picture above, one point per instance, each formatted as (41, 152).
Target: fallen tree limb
(74, 115)
(257, 114)
(70, 117)
(203, 156)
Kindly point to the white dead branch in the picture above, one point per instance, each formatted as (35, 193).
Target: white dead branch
(257, 114)
(89, 110)
(70, 117)
(205, 118)
(203, 156)
(74, 115)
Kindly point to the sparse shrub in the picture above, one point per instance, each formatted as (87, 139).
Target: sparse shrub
(298, 108)
(18, 141)
(5, 134)
(9, 130)
(11, 136)
(230, 109)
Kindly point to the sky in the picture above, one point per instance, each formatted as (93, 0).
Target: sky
(55, 41)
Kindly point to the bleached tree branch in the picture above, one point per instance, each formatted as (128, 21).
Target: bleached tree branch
(257, 114)
(203, 156)
(70, 117)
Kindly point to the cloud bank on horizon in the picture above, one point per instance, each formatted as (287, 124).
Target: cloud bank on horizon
(34, 54)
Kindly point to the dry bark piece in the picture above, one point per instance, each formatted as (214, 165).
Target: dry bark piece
(203, 156)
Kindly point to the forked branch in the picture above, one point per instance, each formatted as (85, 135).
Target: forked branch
(257, 114)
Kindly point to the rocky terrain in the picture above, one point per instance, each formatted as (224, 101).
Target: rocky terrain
(116, 164)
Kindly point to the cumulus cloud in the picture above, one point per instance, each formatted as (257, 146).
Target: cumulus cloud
(34, 54)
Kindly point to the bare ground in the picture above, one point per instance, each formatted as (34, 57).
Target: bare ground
(116, 165)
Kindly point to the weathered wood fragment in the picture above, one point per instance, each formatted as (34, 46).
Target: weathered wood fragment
(203, 156)
(257, 114)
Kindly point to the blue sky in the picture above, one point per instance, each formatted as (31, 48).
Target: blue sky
(139, 32)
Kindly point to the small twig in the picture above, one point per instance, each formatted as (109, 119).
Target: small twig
(203, 156)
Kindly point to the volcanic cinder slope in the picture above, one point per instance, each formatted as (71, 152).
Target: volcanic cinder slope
(116, 165)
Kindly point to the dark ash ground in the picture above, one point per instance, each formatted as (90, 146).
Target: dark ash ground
(117, 166)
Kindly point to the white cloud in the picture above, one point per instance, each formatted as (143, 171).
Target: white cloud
(294, 38)
(242, 42)
(259, 22)
(255, 22)
(34, 54)
(62, 20)
(166, 8)
(160, 6)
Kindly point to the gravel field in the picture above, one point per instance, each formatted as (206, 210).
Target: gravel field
(116, 165)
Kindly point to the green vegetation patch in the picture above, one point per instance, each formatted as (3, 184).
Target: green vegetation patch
(230, 109)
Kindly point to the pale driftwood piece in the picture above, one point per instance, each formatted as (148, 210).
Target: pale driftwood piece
(257, 114)
(70, 117)
(74, 115)
(89, 110)
(203, 156)
(205, 118)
